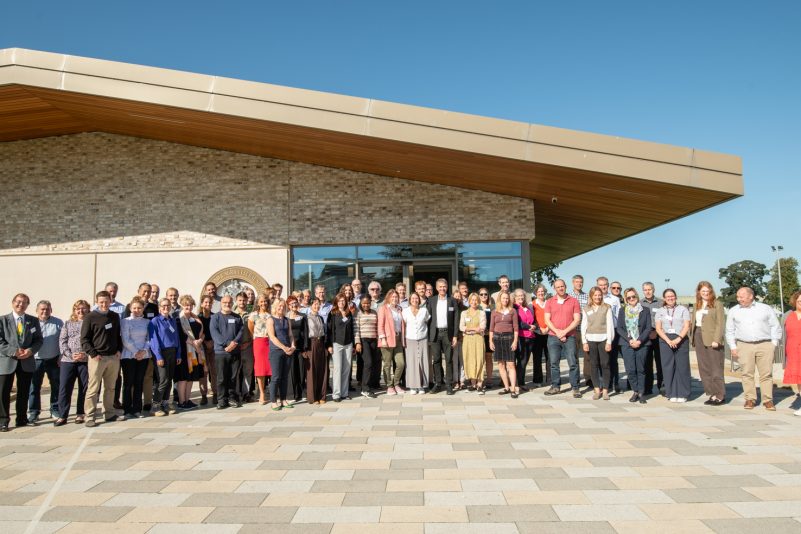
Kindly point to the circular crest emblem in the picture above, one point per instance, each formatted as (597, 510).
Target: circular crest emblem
(232, 280)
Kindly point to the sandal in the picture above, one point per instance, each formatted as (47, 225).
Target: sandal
(276, 408)
(79, 420)
(290, 406)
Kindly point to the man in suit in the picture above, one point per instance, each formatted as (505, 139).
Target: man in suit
(442, 334)
(20, 339)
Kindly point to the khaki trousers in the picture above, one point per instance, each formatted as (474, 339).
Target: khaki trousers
(759, 357)
(101, 369)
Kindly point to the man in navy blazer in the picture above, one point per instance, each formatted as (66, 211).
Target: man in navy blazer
(20, 339)
(443, 326)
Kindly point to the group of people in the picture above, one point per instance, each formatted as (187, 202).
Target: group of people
(145, 356)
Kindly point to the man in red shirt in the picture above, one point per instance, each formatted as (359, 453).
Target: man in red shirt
(562, 315)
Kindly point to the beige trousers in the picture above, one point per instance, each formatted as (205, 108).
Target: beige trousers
(759, 357)
(101, 369)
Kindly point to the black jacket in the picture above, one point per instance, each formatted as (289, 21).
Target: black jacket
(644, 327)
(452, 313)
(339, 330)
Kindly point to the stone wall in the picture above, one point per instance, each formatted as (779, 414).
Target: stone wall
(103, 192)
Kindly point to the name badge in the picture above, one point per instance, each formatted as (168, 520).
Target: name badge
(450, 308)
(590, 312)
(172, 329)
(671, 331)
(344, 319)
(33, 330)
(108, 326)
(231, 321)
(150, 315)
(191, 320)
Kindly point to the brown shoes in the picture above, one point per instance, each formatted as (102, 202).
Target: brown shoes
(750, 405)
(769, 406)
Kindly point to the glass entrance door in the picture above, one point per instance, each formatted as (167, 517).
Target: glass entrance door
(431, 272)
(386, 274)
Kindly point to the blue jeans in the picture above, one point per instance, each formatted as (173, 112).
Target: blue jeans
(279, 365)
(634, 360)
(49, 368)
(557, 349)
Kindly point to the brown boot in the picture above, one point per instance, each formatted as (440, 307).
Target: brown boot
(749, 405)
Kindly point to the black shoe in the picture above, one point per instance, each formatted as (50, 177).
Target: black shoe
(147, 407)
(238, 404)
(111, 419)
(214, 399)
(117, 405)
(634, 397)
(717, 402)
(514, 395)
(642, 400)
(338, 400)
(648, 392)
(33, 418)
(368, 394)
(204, 400)
(436, 389)
(3, 428)
(504, 391)
(451, 391)
(523, 389)
(25, 423)
(708, 401)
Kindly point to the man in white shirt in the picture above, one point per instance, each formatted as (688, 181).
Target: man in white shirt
(442, 335)
(374, 291)
(505, 286)
(753, 333)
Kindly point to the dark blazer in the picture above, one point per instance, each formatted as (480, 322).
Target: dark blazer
(9, 343)
(339, 331)
(453, 317)
(521, 324)
(644, 327)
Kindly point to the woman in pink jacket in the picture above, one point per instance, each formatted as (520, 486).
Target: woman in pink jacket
(389, 341)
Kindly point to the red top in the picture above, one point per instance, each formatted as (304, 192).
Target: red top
(562, 314)
(792, 371)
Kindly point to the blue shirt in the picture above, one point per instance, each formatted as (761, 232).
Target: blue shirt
(134, 331)
(226, 328)
(163, 333)
(50, 332)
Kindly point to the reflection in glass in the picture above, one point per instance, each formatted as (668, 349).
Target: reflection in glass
(407, 251)
(494, 248)
(485, 272)
(386, 275)
(331, 274)
(345, 253)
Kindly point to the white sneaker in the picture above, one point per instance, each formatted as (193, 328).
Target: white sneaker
(681, 399)
(673, 399)
(412, 392)
(797, 412)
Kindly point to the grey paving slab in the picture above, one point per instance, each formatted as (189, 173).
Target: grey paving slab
(730, 481)
(276, 528)
(423, 464)
(749, 526)
(626, 461)
(710, 495)
(588, 483)
(130, 486)
(396, 498)
(565, 527)
(390, 474)
(246, 514)
(534, 473)
(17, 499)
(88, 514)
(171, 475)
(349, 486)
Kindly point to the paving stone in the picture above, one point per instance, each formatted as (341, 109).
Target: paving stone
(242, 514)
(511, 513)
(390, 474)
(548, 484)
(565, 527)
(749, 526)
(130, 486)
(710, 495)
(281, 528)
(84, 514)
(730, 481)
(397, 498)
(349, 486)
(225, 499)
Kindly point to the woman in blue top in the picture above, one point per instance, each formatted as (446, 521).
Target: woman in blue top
(282, 346)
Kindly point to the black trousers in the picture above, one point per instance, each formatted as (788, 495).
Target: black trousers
(371, 358)
(228, 368)
(599, 362)
(297, 377)
(21, 405)
(525, 350)
(652, 357)
(540, 358)
(437, 349)
(165, 375)
(614, 366)
(70, 371)
(133, 381)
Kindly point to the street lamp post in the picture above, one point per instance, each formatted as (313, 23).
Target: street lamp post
(777, 249)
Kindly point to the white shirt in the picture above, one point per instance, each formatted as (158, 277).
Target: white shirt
(699, 315)
(396, 318)
(755, 323)
(442, 312)
(416, 325)
(614, 302)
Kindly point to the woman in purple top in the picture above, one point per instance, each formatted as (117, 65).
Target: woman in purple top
(73, 365)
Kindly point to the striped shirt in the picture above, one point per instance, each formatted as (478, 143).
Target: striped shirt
(366, 326)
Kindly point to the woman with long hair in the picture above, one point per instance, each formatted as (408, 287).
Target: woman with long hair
(282, 347)
(598, 333)
(792, 343)
(472, 324)
(340, 345)
(257, 323)
(297, 322)
(390, 330)
(209, 370)
(192, 336)
(73, 365)
(706, 335)
(503, 342)
(527, 324)
(415, 341)
(485, 305)
(366, 338)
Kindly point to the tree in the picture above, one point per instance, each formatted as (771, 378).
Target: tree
(789, 282)
(746, 273)
(548, 273)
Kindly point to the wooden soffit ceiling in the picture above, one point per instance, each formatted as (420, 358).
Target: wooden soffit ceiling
(589, 175)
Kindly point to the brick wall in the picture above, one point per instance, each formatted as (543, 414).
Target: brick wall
(92, 192)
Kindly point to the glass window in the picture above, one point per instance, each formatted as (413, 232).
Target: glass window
(494, 248)
(347, 253)
(332, 274)
(484, 272)
(407, 251)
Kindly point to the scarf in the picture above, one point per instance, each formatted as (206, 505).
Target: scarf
(192, 355)
(632, 315)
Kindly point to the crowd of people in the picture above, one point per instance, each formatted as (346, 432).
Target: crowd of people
(146, 355)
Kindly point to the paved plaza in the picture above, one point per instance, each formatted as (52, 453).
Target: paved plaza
(415, 464)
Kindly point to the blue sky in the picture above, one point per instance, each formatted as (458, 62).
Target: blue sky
(715, 75)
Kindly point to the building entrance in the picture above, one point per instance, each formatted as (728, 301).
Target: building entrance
(389, 274)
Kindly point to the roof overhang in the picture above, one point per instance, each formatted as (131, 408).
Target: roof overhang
(591, 175)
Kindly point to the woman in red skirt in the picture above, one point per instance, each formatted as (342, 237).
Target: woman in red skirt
(792, 343)
(257, 323)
